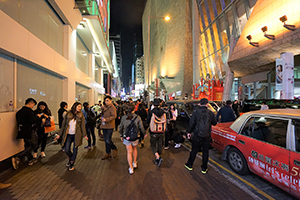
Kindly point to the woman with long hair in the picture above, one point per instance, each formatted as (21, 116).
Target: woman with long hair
(72, 131)
(44, 111)
(131, 146)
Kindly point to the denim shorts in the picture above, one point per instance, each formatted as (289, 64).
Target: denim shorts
(133, 143)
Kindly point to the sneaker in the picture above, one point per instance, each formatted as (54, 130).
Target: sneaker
(159, 162)
(43, 155)
(130, 170)
(190, 168)
(134, 165)
(88, 147)
(15, 162)
(166, 148)
(32, 161)
(155, 161)
(204, 171)
(71, 167)
(34, 155)
(177, 146)
(68, 163)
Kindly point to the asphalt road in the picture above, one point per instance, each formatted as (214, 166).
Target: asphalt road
(251, 183)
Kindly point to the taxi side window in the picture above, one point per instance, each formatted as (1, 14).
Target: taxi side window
(296, 123)
(269, 130)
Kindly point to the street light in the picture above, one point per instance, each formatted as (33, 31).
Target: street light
(166, 18)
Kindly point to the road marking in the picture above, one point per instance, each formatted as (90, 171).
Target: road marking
(238, 177)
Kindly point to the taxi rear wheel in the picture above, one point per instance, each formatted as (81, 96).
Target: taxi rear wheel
(237, 161)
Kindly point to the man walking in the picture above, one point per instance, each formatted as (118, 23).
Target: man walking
(109, 115)
(27, 131)
(200, 124)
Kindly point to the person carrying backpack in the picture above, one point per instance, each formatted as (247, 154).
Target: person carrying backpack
(130, 128)
(200, 124)
(158, 124)
(90, 123)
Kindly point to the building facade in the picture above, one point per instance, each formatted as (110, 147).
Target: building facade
(168, 47)
(117, 42)
(52, 51)
(223, 49)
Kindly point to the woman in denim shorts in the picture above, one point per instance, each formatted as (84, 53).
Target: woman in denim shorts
(131, 146)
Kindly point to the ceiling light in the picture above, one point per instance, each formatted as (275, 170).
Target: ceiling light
(265, 29)
(283, 19)
(255, 44)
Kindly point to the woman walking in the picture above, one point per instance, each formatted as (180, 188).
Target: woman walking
(174, 114)
(90, 122)
(72, 131)
(131, 146)
(43, 110)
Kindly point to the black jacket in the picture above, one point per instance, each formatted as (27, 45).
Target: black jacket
(60, 116)
(26, 122)
(227, 114)
(197, 121)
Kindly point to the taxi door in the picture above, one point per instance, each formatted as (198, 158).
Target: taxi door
(295, 158)
(262, 141)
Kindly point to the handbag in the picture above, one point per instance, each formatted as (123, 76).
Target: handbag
(47, 122)
(51, 127)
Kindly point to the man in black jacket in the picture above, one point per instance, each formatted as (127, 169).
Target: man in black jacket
(27, 131)
(200, 124)
(226, 113)
(156, 140)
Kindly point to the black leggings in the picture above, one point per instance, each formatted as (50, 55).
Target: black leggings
(42, 139)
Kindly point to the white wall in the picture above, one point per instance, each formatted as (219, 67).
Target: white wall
(21, 44)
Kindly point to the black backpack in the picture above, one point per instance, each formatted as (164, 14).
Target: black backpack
(91, 118)
(131, 132)
(203, 123)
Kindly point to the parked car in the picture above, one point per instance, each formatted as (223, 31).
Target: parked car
(266, 142)
(185, 109)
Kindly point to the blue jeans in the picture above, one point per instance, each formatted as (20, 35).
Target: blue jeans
(71, 139)
(109, 145)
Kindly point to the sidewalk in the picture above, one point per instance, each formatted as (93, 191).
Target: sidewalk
(94, 178)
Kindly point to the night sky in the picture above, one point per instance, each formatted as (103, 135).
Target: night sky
(126, 19)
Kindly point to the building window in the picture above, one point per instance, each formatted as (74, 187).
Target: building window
(6, 83)
(40, 85)
(82, 93)
(38, 18)
(81, 56)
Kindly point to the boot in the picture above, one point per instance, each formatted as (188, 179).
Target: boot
(115, 152)
(106, 155)
(3, 185)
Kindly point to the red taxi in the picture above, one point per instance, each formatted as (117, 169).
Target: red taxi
(266, 142)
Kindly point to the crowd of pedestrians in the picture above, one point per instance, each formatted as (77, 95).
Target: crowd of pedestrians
(132, 119)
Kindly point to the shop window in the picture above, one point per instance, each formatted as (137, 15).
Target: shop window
(82, 93)
(40, 85)
(6, 83)
(81, 56)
